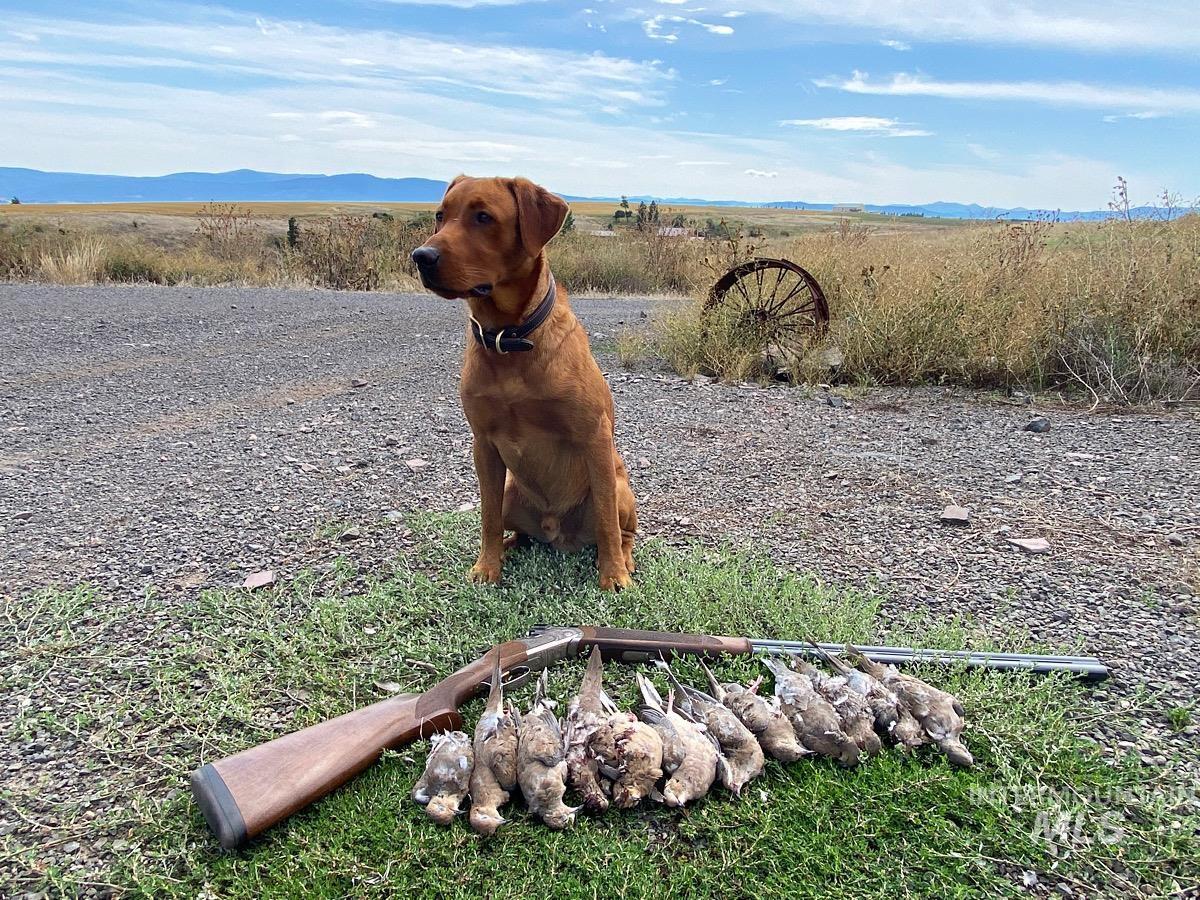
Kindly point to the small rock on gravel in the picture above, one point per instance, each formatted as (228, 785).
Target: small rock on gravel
(1031, 545)
(1040, 425)
(955, 515)
(259, 579)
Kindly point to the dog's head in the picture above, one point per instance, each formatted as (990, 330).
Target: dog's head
(489, 232)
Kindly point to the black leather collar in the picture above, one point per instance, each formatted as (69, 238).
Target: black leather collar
(515, 338)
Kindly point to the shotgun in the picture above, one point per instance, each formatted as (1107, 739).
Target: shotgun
(243, 795)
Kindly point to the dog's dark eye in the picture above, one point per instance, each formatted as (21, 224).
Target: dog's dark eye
(482, 218)
(437, 216)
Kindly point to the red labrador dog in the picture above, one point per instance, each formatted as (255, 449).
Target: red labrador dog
(539, 408)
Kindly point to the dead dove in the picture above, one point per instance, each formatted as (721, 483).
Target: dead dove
(857, 717)
(690, 754)
(447, 776)
(884, 703)
(817, 723)
(763, 716)
(542, 763)
(940, 715)
(585, 714)
(495, 772)
(629, 752)
(741, 755)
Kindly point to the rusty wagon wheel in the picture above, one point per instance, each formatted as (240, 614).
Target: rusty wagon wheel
(774, 300)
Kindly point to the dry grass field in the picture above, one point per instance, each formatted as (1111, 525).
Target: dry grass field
(1111, 309)
(172, 220)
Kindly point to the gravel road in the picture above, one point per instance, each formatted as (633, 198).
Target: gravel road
(181, 438)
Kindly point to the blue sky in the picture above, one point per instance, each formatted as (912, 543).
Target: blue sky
(1000, 103)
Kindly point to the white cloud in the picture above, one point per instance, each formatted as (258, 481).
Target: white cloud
(452, 150)
(1096, 25)
(717, 82)
(866, 124)
(701, 162)
(733, 14)
(759, 173)
(1058, 93)
(896, 45)
(1148, 114)
(984, 152)
(310, 53)
(336, 118)
(662, 27)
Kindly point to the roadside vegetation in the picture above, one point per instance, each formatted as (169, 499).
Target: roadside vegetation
(1110, 310)
(227, 670)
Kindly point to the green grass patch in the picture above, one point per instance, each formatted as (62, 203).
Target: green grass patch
(199, 682)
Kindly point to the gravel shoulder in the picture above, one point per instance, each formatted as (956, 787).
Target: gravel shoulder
(173, 439)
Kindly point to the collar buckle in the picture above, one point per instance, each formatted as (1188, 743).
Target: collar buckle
(517, 336)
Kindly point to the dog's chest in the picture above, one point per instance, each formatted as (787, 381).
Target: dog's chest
(538, 437)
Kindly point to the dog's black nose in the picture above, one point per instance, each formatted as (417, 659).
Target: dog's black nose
(426, 257)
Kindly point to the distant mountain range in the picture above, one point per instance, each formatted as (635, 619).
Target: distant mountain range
(33, 186)
(246, 185)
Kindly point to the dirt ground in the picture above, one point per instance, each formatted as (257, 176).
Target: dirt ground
(173, 439)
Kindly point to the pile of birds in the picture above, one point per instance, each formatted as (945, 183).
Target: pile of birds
(674, 750)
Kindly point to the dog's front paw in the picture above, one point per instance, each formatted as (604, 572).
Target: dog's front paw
(615, 580)
(484, 572)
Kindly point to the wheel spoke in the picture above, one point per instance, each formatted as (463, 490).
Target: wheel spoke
(758, 274)
(741, 287)
(809, 308)
(800, 287)
(780, 271)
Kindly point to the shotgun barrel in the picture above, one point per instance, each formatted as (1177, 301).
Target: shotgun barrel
(243, 795)
(1088, 668)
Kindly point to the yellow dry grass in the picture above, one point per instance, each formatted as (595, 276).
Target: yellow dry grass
(1113, 307)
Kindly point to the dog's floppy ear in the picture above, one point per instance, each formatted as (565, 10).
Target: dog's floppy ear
(539, 214)
(457, 180)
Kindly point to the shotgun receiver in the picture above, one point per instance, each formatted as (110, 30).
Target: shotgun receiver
(243, 795)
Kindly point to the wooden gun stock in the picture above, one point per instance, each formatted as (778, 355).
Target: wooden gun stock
(243, 795)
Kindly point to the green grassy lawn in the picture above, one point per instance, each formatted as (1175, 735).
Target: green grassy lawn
(199, 682)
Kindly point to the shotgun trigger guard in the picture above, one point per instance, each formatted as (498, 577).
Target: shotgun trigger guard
(515, 677)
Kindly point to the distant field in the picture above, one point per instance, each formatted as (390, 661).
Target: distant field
(588, 215)
(1106, 306)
